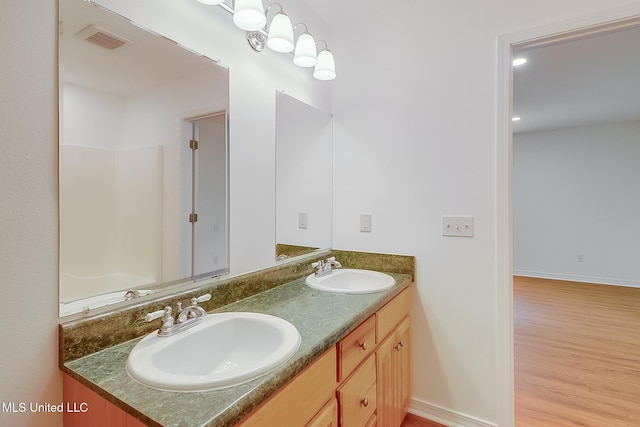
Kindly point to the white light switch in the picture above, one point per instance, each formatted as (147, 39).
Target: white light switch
(365, 223)
(302, 220)
(457, 226)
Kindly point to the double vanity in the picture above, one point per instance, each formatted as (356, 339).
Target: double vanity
(282, 346)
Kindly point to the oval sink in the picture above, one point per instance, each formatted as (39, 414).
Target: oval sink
(351, 281)
(226, 349)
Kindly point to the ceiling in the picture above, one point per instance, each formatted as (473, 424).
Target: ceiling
(335, 12)
(586, 81)
(590, 80)
(148, 59)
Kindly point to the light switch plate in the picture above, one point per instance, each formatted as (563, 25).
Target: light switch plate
(457, 226)
(302, 220)
(365, 223)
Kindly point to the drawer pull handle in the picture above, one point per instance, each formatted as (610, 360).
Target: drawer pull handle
(399, 345)
(363, 345)
(365, 402)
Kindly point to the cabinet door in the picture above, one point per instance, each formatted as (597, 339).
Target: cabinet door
(327, 417)
(403, 360)
(386, 381)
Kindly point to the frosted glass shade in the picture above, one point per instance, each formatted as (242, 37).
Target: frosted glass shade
(326, 66)
(306, 54)
(280, 34)
(249, 15)
(210, 2)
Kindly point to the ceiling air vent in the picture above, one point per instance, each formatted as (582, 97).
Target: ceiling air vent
(102, 37)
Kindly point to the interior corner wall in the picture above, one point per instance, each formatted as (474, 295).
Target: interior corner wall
(415, 139)
(576, 203)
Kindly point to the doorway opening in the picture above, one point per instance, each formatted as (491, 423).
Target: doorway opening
(586, 27)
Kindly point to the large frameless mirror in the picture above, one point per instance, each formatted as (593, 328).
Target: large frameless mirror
(304, 189)
(143, 161)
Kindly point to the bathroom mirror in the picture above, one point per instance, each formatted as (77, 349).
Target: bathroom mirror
(143, 161)
(304, 150)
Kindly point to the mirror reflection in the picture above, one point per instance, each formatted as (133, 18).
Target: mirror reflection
(304, 141)
(143, 161)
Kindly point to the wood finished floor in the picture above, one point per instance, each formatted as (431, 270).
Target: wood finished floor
(577, 354)
(414, 421)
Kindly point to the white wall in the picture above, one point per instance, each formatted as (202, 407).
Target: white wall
(28, 209)
(415, 139)
(576, 193)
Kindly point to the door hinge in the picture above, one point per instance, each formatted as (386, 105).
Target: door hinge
(193, 217)
(193, 144)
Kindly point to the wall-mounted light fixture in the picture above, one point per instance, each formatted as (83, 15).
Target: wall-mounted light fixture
(279, 35)
(249, 15)
(326, 67)
(305, 54)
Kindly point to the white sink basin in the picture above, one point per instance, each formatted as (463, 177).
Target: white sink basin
(351, 281)
(226, 349)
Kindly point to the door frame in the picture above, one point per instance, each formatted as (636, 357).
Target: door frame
(600, 23)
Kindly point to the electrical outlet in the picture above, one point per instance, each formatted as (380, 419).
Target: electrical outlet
(457, 226)
(365, 223)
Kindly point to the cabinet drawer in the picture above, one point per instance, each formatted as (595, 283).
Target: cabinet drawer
(355, 347)
(392, 313)
(298, 402)
(357, 395)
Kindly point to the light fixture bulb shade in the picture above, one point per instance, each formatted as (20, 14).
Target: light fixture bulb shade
(280, 34)
(326, 66)
(249, 15)
(211, 2)
(306, 54)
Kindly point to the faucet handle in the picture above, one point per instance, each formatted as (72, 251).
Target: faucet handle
(157, 314)
(202, 298)
(317, 264)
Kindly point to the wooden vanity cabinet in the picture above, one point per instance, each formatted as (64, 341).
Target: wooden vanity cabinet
(303, 400)
(393, 362)
(376, 388)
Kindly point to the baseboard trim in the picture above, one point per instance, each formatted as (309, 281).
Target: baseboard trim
(445, 416)
(577, 278)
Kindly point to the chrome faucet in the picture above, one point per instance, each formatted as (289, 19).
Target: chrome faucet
(129, 295)
(186, 318)
(325, 267)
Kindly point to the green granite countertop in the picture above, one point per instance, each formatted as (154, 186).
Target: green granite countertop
(322, 319)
